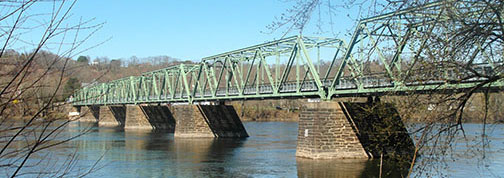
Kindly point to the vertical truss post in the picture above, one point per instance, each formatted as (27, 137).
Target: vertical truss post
(380, 54)
(318, 58)
(163, 86)
(186, 85)
(257, 76)
(268, 73)
(312, 70)
(220, 76)
(348, 52)
(154, 85)
(297, 71)
(249, 72)
(287, 69)
(333, 61)
(168, 85)
(396, 59)
(239, 70)
(143, 88)
(277, 67)
(209, 78)
(197, 81)
(175, 85)
(104, 93)
(233, 74)
(132, 90)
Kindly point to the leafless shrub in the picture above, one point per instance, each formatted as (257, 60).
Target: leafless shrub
(450, 42)
(31, 124)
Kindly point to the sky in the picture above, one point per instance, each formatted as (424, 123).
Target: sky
(185, 29)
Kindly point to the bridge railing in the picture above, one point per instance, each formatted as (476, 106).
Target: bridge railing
(126, 90)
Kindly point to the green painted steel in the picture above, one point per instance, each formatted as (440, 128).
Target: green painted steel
(392, 43)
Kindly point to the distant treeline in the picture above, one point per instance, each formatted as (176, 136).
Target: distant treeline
(82, 71)
(35, 86)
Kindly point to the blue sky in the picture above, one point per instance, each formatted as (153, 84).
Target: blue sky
(189, 30)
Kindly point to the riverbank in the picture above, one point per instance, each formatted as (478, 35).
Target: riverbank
(410, 110)
(268, 110)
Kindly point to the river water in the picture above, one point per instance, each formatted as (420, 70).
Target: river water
(268, 152)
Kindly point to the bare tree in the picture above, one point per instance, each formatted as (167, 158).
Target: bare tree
(31, 121)
(451, 42)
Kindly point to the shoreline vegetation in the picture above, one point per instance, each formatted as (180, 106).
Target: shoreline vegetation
(288, 110)
(86, 72)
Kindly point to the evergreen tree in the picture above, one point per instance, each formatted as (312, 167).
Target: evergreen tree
(70, 87)
(83, 59)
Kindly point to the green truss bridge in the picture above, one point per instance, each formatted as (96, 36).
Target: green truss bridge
(385, 55)
(396, 53)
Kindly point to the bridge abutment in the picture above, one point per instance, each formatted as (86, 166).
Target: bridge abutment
(335, 130)
(208, 121)
(112, 116)
(89, 113)
(149, 118)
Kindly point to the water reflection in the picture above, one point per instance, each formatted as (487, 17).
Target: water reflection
(268, 152)
(209, 157)
(349, 168)
(331, 168)
(145, 153)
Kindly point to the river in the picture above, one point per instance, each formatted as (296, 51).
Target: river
(268, 152)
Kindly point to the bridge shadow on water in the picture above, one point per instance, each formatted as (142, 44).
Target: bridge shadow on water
(158, 153)
(269, 151)
(211, 157)
(185, 157)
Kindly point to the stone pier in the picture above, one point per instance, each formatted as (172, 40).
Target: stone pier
(207, 121)
(335, 130)
(160, 117)
(112, 116)
(150, 117)
(89, 113)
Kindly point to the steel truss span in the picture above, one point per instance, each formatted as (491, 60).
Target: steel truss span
(384, 56)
